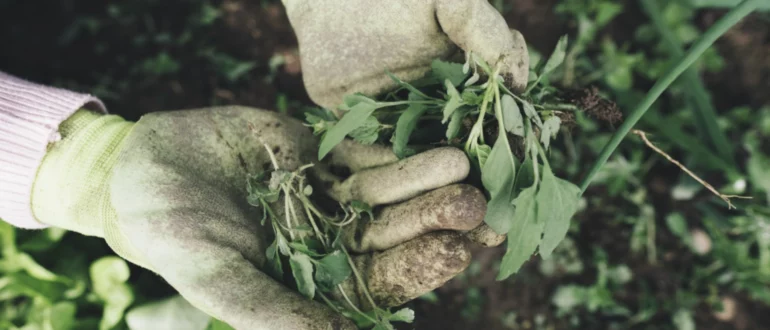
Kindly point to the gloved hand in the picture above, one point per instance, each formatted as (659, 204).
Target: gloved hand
(169, 193)
(346, 45)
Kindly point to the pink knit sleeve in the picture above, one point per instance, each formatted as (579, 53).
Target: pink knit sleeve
(30, 115)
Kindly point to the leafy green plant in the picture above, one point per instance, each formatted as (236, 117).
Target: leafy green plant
(526, 199)
(318, 259)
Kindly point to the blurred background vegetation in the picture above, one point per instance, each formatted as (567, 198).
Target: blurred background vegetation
(651, 248)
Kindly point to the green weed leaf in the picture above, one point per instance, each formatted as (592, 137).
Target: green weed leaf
(512, 119)
(302, 269)
(333, 269)
(498, 170)
(557, 202)
(524, 235)
(453, 72)
(407, 122)
(353, 119)
(453, 129)
(557, 57)
(402, 315)
(550, 129)
(368, 132)
(454, 102)
(531, 113)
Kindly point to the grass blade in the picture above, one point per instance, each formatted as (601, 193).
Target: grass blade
(705, 41)
(705, 114)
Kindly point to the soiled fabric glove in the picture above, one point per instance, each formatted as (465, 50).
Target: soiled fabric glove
(169, 193)
(346, 45)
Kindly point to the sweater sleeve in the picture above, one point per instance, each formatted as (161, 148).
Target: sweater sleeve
(30, 115)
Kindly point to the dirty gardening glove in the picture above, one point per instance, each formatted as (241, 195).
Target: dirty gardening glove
(346, 45)
(169, 194)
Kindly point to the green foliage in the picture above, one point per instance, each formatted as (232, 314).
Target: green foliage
(445, 99)
(318, 260)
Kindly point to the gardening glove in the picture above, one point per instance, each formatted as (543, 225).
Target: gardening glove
(346, 45)
(169, 194)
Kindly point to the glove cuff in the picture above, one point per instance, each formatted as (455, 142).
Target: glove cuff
(71, 188)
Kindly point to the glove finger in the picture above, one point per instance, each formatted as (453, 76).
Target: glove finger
(484, 235)
(457, 207)
(404, 179)
(409, 270)
(357, 157)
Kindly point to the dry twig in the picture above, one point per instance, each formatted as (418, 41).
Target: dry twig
(724, 197)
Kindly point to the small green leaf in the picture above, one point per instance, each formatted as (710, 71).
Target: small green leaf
(353, 119)
(550, 129)
(456, 123)
(482, 152)
(333, 269)
(524, 235)
(407, 122)
(557, 57)
(531, 113)
(512, 118)
(351, 100)
(408, 86)
(454, 102)
(500, 211)
(403, 315)
(383, 326)
(498, 170)
(275, 268)
(368, 132)
(302, 269)
(558, 200)
(452, 72)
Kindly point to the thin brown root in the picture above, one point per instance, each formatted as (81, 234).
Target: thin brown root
(723, 197)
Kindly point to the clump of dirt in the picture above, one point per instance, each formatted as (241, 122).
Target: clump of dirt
(594, 105)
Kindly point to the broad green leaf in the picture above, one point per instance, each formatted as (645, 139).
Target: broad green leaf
(525, 176)
(512, 119)
(407, 122)
(170, 313)
(353, 119)
(403, 315)
(524, 235)
(498, 170)
(453, 129)
(302, 269)
(368, 132)
(452, 72)
(497, 176)
(557, 57)
(557, 202)
(333, 269)
(20, 284)
(500, 211)
(454, 102)
(482, 152)
(531, 113)
(550, 129)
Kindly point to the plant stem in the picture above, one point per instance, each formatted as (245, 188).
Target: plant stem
(708, 38)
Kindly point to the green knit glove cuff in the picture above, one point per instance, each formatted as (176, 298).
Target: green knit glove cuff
(71, 189)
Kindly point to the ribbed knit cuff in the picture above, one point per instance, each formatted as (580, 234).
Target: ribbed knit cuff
(30, 115)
